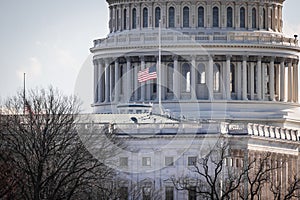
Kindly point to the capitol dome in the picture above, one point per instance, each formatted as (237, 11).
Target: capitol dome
(220, 59)
(174, 78)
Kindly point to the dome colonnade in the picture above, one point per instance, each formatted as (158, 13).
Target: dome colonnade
(238, 15)
(218, 77)
(211, 51)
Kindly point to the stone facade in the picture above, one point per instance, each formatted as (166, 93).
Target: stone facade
(227, 70)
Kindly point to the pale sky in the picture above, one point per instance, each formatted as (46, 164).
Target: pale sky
(50, 41)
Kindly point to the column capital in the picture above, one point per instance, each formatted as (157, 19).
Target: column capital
(142, 58)
(99, 61)
(107, 61)
(128, 59)
(95, 62)
(193, 57)
(295, 61)
(288, 60)
(228, 57)
(259, 58)
(175, 57)
(272, 58)
(282, 60)
(245, 57)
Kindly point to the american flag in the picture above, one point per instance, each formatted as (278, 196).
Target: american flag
(147, 74)
(28, 109)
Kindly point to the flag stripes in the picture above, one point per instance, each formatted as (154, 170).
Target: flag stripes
(147, 74)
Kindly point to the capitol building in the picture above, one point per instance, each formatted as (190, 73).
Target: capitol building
(224, 71)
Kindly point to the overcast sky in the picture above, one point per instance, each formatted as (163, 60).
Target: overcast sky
(50, 40)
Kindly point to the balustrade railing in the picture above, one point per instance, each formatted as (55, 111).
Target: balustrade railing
(168, 38)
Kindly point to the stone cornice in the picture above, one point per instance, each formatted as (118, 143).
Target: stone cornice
(110, 2)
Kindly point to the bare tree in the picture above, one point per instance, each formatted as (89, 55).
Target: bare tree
(258, 176)
(292, 190)
(212, 177)
(144, 190)
(45, 157)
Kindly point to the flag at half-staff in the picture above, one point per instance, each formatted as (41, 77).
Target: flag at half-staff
(147, 74)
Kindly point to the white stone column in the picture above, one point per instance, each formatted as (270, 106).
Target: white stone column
(163, 81)
(156, 80)
(260, 16)
(252, 81)
(107, 81)
(128, 88)
(258, 80)
(244, 92)
(282, 81)
(236, 16)
(296, 83)
(136, 86)
(209, 78)
(143, 86)
(95, 81)
(176, 78)
(223, 22)
(277, 82)
(193, 78)
(293, 84)
(227, 78)
(290, 82)
(100, 81)
(113, 20)
(239, 81)
(271, 81)
(117, 83)
(111, 83)
(263, 81)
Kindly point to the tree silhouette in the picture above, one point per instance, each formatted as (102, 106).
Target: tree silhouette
(44, 156)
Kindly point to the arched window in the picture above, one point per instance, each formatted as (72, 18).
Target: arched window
(264, 19)
(229, 17)
(242, 18)
(215, 17)
(157, 16)
(171, 17)
(145, 18)
(201, 74)
(134, 18)
(253, 18)
(186, 73)
(124, 19)
(216, 77)
(170, 71)
(232, 78)
(200, 16)
(186, 17)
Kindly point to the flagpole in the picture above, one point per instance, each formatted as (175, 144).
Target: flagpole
(159, 68)
(24, 92)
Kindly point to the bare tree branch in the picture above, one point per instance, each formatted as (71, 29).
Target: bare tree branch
(44, 155)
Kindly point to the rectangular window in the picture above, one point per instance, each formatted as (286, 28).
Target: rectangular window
(146, 193)
(123, 191)
(169, 193)
(146, 161)
(124, 161)
(169, 161)
(192, 193)
(192, 160)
